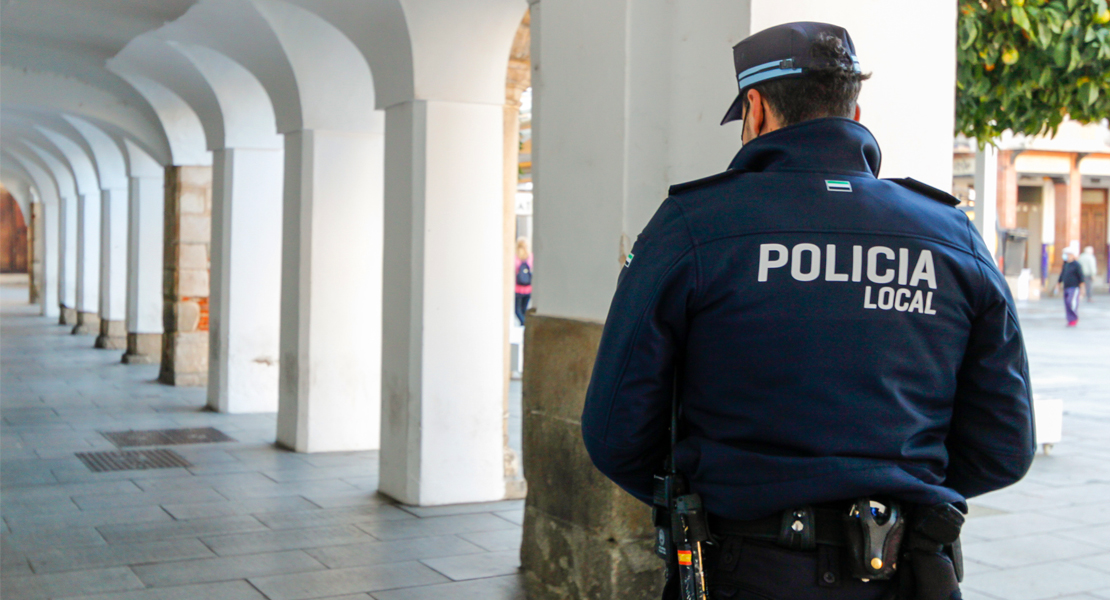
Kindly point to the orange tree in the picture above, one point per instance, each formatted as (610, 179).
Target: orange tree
(1026, 64)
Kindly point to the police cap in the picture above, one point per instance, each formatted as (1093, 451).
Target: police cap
(783, 51)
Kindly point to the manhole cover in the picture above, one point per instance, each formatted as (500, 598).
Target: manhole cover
(166, 437)
(130, 460)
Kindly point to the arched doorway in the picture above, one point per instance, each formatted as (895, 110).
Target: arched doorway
(14, 251)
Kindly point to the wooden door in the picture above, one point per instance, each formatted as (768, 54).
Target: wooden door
(1092, 228)
(13, 236)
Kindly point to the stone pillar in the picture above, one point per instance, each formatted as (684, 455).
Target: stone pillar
(1073, 207)
(187, 233)
(627, 97)
(246, 280)
(88, 264)
(113, 270)
(145, 256)
(585, 537)
(331, 290)
(444, 314)
(35, 247)
(67, 260)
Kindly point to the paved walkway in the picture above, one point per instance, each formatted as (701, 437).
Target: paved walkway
(246, 521)
(251, 521)
(1048, 536)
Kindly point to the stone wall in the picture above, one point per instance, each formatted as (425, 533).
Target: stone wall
(185, 282)
(583, 536)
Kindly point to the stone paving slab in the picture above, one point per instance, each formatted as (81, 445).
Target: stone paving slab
(61, 585)
(334, 582)
(494, 588)
(226, 568)
(376, 553)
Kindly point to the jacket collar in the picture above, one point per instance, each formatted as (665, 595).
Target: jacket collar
(833, 145)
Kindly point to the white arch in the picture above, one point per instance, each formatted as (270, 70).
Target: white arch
(67, 225)
(48, 194)
(334, 83)
(182, 127)
(150, 57)
(18, 185)
(112, 171)
(236, 29)
(110, 163)
(379, 31)
(460, 50)
(84, 174)
(247, 114)
(314, 75)
(33, 91)
(88, 230)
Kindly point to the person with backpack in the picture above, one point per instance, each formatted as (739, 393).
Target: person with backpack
(523, 271)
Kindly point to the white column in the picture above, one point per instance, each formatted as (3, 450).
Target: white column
(986, 197)
(51, 258)
(67, 257)
(88, 263)
(331, 290)
(113, 269)
(443, 313)
(245, 301)
(144, 255)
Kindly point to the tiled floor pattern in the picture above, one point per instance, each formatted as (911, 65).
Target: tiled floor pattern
(251, 521)
(246, 521)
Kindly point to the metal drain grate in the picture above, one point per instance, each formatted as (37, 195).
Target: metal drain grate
(166, 437)
(130, 460)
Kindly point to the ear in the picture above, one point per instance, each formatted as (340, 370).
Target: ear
(754, 122)
(856, 118)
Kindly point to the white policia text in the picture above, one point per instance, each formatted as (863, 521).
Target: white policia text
(883, 265)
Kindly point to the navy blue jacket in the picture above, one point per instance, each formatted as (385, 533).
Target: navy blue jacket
(832, 344)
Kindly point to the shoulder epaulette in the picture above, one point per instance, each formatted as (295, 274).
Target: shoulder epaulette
(679, 188)
(927, 190)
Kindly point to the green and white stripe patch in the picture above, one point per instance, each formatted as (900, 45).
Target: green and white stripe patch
(838, 186)
(628, 261)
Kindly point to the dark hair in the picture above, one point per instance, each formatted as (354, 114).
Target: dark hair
(827, 91)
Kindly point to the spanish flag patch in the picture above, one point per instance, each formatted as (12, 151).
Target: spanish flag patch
(685, 558)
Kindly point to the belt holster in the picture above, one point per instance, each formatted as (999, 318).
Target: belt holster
(874, 539)
(933, 555)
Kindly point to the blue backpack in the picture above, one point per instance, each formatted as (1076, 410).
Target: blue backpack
(524, 274)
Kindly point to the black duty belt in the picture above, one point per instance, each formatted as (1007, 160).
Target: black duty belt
(799, 529)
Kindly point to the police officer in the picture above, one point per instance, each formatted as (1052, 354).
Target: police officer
(830, 338)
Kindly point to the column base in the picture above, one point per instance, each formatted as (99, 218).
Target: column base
(184, 359)
(583, 536)
(67, 316)
(143, 349)
(87, 324)
(113, 335)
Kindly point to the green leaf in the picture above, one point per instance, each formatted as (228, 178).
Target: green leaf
(1044, 34)
(1091, 34)
(1060, 55)
(1075, 59)
(1089, 92)
(1020, 18)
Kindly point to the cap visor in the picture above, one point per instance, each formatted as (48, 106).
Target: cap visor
(736, 111)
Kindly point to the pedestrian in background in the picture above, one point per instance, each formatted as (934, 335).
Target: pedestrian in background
(523, 270)
(1089, 266)
(1071, 277)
